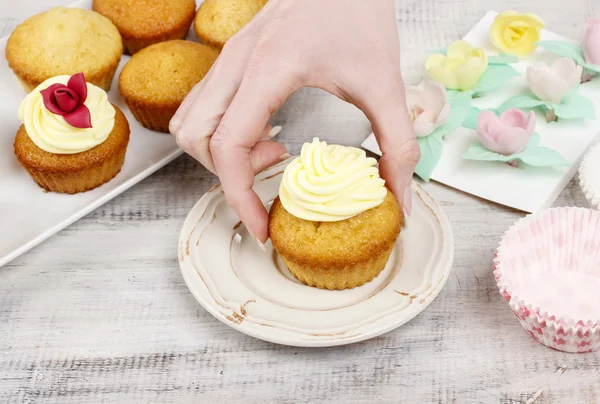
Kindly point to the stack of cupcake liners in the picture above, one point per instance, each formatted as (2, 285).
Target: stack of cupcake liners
(589, 176)
(547, 268)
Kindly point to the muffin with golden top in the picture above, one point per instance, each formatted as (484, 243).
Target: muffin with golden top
(72, 138)
(146, 22)
(65, 41)
(156, 80)
(334, 223)
(218, 20)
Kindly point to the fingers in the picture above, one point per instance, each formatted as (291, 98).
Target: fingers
(385, 106)
(235, 151)
(201, 112)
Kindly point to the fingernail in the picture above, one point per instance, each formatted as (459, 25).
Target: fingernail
(407, 201)
(260, 244)
(274, 131)
(284, 156)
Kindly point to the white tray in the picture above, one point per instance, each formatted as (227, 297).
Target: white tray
(28, 215)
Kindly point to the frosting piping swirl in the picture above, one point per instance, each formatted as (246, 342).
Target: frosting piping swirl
(329, 183)
(50, 132)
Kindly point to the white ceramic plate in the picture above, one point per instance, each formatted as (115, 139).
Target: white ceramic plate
(253, 292)
(28, 215)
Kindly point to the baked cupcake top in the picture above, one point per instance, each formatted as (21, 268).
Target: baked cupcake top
(146, 18)
(218, 20)
(164, 73)
(66, 115)
(63, 41)
(329, 183)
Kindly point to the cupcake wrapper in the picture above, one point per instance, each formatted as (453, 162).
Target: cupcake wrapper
(152, 118)
(134, 45)
(79, 181)
(546, 268)
(589, 173)
(340, 278)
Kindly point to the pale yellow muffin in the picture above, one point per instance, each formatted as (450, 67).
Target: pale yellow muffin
(218, 20)
(156, 80)
(318, 242)
(146, 22)
(65, 41)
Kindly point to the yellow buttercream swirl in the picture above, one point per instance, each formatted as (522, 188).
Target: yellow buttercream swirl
(50, 132)
(328, 183)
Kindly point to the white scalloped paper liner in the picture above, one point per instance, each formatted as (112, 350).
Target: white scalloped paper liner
(586, 171)
(564, 334)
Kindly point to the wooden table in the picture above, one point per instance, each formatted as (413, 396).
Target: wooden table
(100, 313)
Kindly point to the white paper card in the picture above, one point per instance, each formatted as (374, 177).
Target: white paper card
(529, 189)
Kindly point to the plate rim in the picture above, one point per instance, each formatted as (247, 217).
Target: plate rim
(295, 342)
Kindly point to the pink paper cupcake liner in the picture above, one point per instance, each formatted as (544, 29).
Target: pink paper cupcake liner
(547, 268)
(589, 176)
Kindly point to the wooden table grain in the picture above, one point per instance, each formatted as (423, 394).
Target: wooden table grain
(99, 313)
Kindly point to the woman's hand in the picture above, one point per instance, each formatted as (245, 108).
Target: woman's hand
(349, 48)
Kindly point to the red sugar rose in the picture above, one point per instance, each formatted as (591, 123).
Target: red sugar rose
(68, 101)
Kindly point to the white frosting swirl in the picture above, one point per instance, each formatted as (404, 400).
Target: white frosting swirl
(50, 132)
(328, 183)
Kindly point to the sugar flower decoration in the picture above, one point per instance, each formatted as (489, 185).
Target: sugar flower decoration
(68, 101)
(466, 69)
(434, 114)
(553, 83)
(591, 42)
(428, 106)
(511, 138)
(460, 69)
(516, 34)
(586, 54)
(508, 134)
(554, 91)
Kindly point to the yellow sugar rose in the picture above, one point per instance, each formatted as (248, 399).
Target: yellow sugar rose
(460, 69)
(516, 34)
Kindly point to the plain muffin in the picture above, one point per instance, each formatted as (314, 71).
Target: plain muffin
(65, 41)
(218, 20)
(146, 22)
(156, 80)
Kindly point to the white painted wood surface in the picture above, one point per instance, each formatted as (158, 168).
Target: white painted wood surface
(100, 314)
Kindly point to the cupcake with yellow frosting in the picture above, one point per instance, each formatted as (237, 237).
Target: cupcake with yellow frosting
(72, 138)
(334, 223)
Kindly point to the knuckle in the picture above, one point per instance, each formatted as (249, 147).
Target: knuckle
(184, 141)
(412, 151)
(218, 141)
